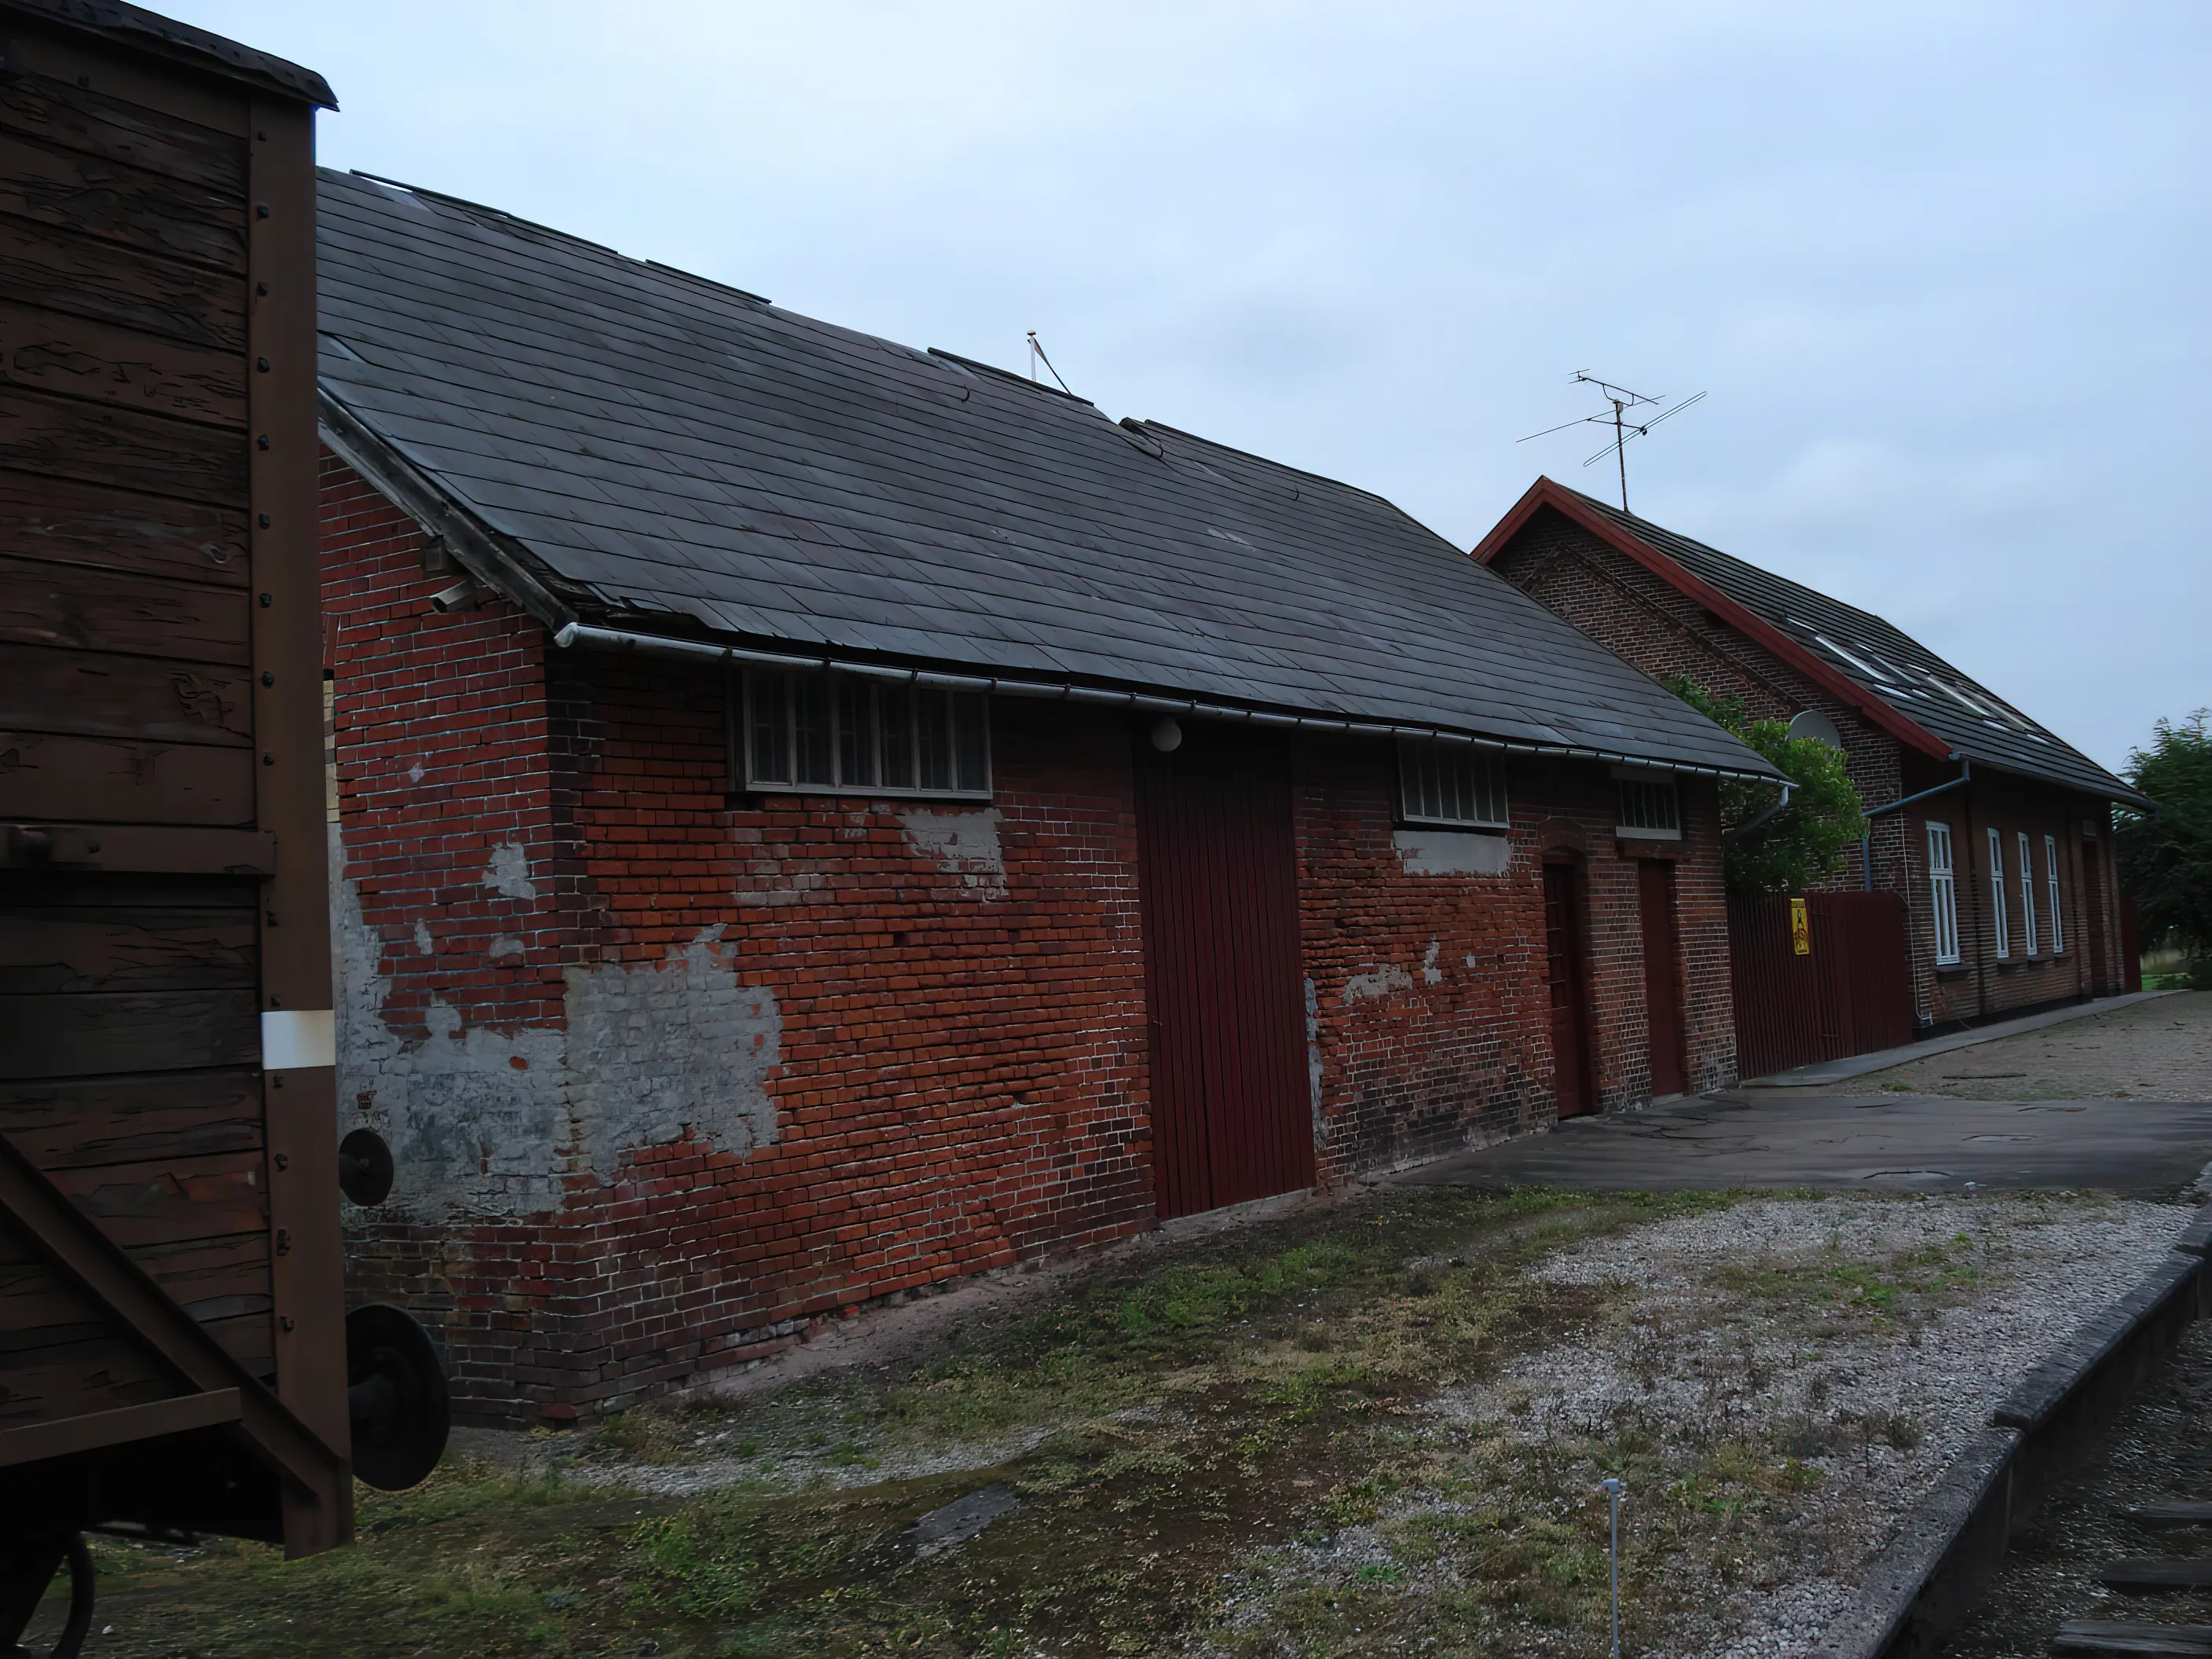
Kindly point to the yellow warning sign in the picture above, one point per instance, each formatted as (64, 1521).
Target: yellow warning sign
(1801, 928)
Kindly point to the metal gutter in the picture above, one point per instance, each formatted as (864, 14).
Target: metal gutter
(570, 635)
(1866, 842)
(1752, 824)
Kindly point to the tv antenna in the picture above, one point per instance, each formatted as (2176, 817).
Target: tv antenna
(1036, 357)
(1623, 400)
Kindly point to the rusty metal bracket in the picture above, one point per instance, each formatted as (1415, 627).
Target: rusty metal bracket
(127, 1293)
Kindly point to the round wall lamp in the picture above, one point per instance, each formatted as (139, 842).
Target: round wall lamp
(1167, 736)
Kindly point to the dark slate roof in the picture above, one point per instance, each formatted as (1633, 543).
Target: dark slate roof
(682, 458)
(144, 31)
(1886, 662)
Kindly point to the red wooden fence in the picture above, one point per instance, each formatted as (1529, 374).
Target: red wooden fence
(1850, 993)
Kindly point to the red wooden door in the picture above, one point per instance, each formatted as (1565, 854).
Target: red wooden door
(1662, 993)
(1564, 950)
(1217, 874)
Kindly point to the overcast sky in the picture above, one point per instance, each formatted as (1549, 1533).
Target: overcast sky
(1943, 269)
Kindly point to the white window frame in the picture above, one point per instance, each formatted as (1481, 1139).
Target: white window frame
(2058, 915)
(1453, 786)
(1647, 805)
(2027, 892)
(857, 712)
(1943, 893)
(1998, 920)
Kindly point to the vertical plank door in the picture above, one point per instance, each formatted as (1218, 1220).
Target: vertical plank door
(1231, 1119)
(1662, 993)
(1564, 973)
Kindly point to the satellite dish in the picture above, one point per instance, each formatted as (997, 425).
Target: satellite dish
(1813, 724)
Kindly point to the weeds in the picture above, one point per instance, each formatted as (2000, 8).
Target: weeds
(1268, 1400)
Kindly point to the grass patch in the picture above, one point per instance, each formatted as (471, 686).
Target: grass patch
(1155, 1423)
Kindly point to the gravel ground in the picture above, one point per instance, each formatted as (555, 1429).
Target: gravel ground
(2160, 1448)
(1730, 1336)
(2160, 1050)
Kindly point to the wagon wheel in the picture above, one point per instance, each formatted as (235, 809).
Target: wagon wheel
(25, 1573)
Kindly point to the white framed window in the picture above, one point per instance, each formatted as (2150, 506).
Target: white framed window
(1942, 893)
(1648, 807)
(2027, 893)
(812, 732)
(1998, 920)
(1449, 783)
(2051, 878)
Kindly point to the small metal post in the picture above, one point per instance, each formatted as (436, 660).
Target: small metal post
(1613, 1496)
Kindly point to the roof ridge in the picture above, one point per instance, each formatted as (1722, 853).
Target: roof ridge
(501, 216)
(1799, 614)
(1641, 523)
(1262, 460)
(1009, 375)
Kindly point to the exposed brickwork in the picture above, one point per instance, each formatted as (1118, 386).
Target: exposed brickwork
(671, 1072)
(1667, 633)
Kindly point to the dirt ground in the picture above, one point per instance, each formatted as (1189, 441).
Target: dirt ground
(1369, 1426)
(2160, 1050)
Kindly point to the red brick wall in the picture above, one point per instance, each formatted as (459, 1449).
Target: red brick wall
(670, 1073)
(1427, 999)
(1982, 985)
(442, 761)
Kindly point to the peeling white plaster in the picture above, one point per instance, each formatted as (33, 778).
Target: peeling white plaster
(1430, 971)
(414, 773)
(1379, 983)
(509, 873)
(472, 1132)
(661, 1049)
(1313, 1062)
(486, 1122)
(1452, 853)
(422, 938)
(507, 947)
(965, 844)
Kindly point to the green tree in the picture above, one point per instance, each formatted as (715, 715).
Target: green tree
(1805, 841)
(2165, 860)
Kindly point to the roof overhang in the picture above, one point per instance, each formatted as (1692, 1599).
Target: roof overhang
(507, 569)
(1545, 493)
(733, 655)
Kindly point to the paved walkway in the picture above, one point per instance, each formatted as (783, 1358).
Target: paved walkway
(2156, 1049)
(1827, 1073)
(1889, 1143)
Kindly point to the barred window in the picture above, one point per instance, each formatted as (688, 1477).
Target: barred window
(1649, 808)
(1449, 783)
(814, 731)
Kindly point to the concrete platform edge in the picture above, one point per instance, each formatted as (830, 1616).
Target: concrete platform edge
(1950, 1545)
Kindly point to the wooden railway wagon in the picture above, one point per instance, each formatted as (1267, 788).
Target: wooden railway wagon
(173, 1352)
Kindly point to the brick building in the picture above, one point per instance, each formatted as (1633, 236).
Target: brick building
(814, 818)
(1997, 834)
